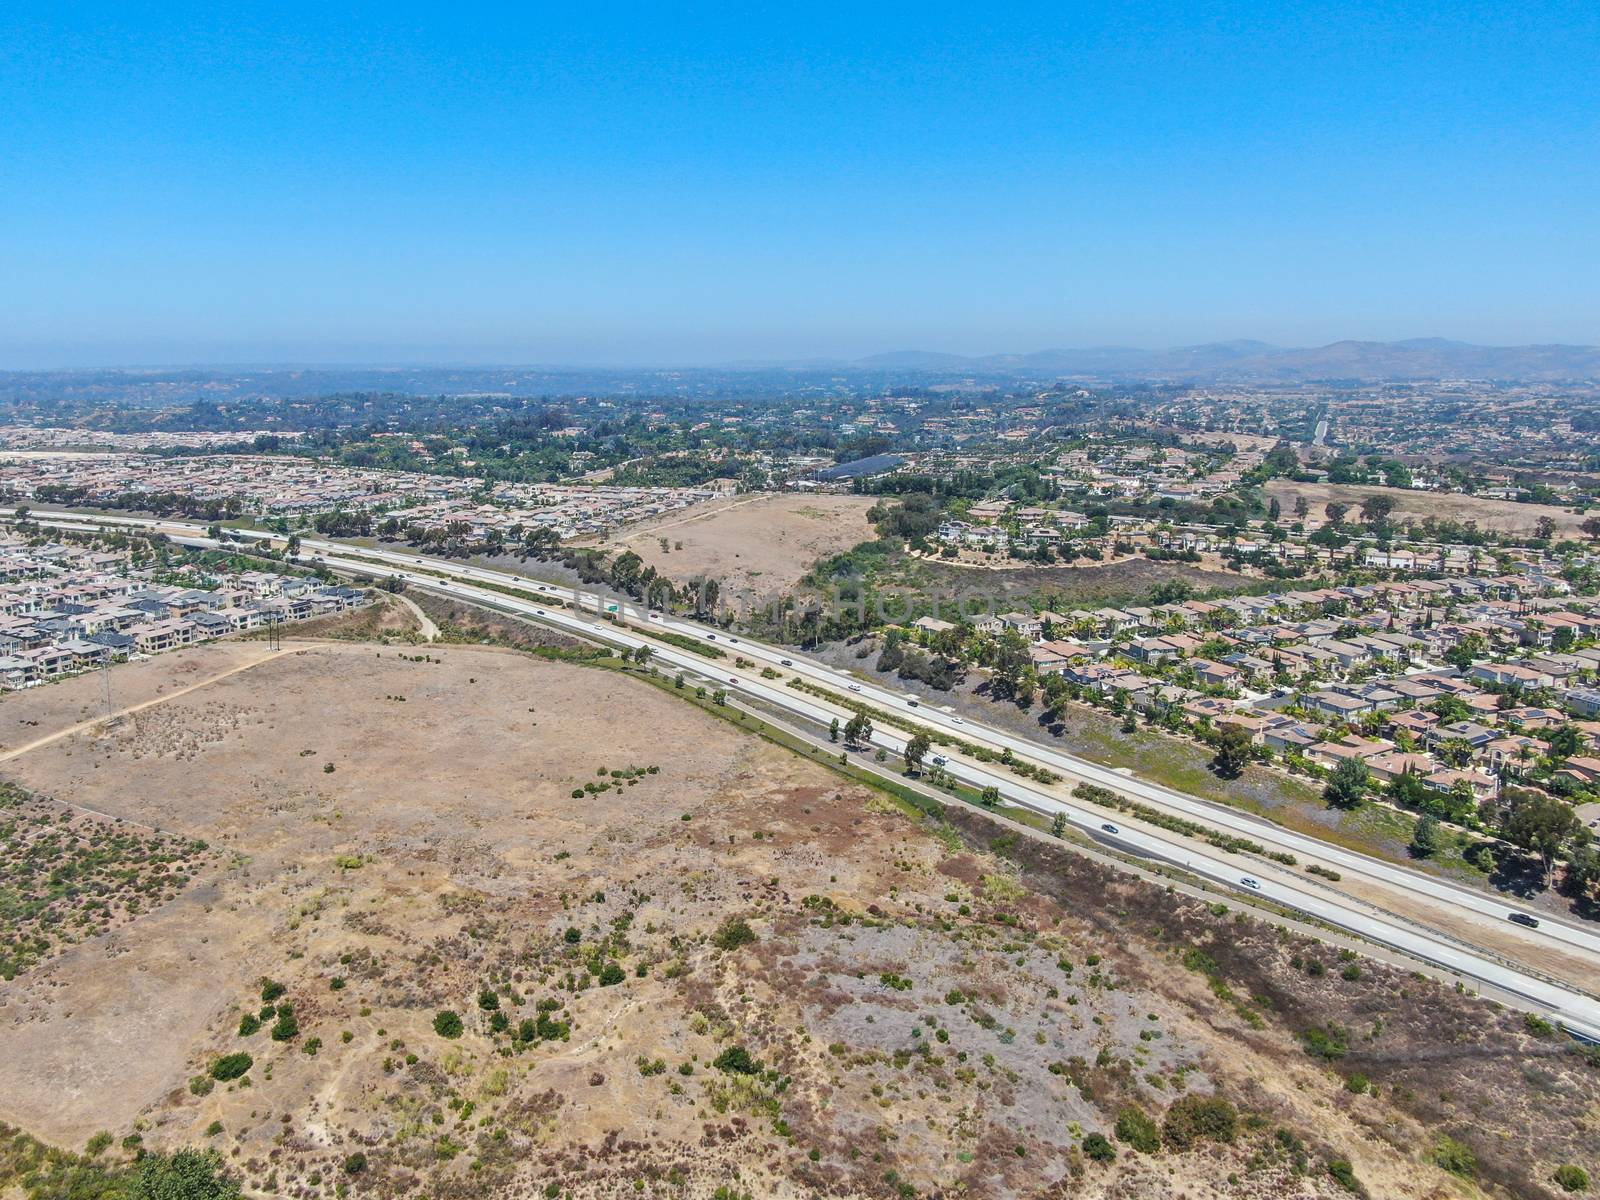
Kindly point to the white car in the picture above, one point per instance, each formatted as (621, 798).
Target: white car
(958, 720)
(1251, 883)
(855, 687)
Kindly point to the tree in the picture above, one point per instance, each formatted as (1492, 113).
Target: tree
(1540, 823)
(1565, 741)
(1058, 825)
(858, 730)
(833, 730)
(916, 750)
(1583, 871)
(1301, 508)
(1336, 512)
(1233, 751)
(1408, 791)
(1348, 783)
(1474, 645)
(1376, 508)
(1425, 838)
(642, 655)
(989, 797)
(1011, 658)
(1544, 528)
(447, 1024)
(184, 1175)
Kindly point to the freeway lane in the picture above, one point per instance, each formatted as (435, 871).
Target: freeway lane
(1576, 1010)
(1219, 816)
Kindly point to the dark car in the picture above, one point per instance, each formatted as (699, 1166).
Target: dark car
(1109, 828)
(1523, 919)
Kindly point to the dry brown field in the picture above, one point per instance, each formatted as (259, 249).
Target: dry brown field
(755, 545)
(927, 1011)
(1502, 516)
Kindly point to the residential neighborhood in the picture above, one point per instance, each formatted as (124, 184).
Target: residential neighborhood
(67, 608)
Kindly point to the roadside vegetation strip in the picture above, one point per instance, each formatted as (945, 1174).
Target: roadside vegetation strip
(934, 734)
(1106, 798)
(394, 569)
(684, 642)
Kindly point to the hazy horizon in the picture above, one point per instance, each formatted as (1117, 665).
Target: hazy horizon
(653, 188)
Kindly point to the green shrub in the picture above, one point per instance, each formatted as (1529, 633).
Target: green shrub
(612, 974)
(447, 1024)
(1138, 1130)
(1455, 1157)
(736, 1060)
(1328, 1042)
(271, 989)
(231, 1066)
(355, 1164)
(1194, 1118)
(248, 1024)
(1097, 1148)
(733, 933)
(1572, 1178)
(1345, 1176)
(488, 1000)
(184, 1175)
(287, 1025)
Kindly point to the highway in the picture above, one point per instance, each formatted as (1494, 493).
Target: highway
(1577, 1011)
(1074, 769)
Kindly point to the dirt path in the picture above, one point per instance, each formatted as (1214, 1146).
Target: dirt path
(70, 730)
(427, 629)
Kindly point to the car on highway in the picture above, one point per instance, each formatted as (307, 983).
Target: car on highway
(712, 636)
(1523, 919)
(913, 702)
(958, 720)
(733, 639)
(733, 679)
(855, 687)
(655, 616)
(786, 662)
(939, 760)
(1109, 827)
(1251, 883)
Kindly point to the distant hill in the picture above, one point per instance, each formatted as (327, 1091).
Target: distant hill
(1252, 361)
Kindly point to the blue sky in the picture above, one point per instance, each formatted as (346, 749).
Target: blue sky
(588, 184)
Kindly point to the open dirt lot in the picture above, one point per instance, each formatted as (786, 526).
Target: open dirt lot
(755, 545)
(1503, 516)
(685, 960)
